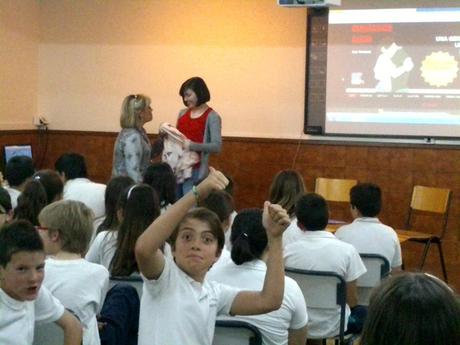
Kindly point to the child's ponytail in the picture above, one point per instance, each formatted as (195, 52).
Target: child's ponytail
(248, 236)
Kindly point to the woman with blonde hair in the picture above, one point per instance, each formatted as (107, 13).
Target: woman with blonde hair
(133, 151)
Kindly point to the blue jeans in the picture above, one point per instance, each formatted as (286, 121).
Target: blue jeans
(186, 186)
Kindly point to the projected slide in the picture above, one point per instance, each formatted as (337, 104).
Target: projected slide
(394, 72)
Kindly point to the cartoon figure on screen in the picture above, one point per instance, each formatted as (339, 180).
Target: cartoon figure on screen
(392, 69)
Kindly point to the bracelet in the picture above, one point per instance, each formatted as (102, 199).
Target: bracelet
(197, 196)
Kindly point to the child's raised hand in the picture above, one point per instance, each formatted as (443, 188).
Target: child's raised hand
(275, 219)
(214, 181)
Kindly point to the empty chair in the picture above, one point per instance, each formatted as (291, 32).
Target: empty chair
(337, 193)
(378, 268)
(333, 189)
(433, 201)
(236, 333)
(323, 290)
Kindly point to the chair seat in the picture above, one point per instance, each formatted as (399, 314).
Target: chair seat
(408, 235)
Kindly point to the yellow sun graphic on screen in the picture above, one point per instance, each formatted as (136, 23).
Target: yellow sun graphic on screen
(439, 69)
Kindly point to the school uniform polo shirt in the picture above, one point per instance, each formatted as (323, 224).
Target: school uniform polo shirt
(292, 234)
(176, 309)
(322, 251)
(275, 325)
(17, 318)
(369, 236)
(90, 193)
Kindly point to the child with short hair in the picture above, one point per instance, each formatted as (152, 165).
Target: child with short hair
(221, 203)
(66, 227)
(316, 249)
(179, 306)
(366, 233)
(23, 299)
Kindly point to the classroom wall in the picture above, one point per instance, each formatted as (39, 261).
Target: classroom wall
(19, 39)
(250, 52)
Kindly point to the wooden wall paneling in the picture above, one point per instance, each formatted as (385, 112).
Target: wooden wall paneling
(252, 163)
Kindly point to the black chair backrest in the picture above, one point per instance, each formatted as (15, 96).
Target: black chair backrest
(378, 268)
(134, 280)
(322, 289)
(230, 332)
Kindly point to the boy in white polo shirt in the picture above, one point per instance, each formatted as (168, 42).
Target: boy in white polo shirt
(319, 250)
(366, 233)
(23, 301)
(66, 227)
(179, 306)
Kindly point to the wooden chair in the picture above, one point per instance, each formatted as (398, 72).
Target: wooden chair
(333, 189)
(378, 268)
(337, 194)
(430, 200)
(229, 332)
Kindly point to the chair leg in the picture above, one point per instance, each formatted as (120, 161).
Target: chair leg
(443, 265)
(425, 254)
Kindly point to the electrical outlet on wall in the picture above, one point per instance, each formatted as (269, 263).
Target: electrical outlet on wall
(40, 121)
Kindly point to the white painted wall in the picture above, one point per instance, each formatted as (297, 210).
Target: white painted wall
(19, 39)
(250, 52)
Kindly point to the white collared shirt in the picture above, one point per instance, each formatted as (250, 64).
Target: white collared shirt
(17, 318)
(322, 251)
(90, 193)
(369, 236)
(103, 248)
(274, 326)
(14, 195)
(176, 309)
(80, 286)
(292, 234)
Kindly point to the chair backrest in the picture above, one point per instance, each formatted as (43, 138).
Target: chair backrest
(333, 189)
(430, 199)
(134, 281)
(378, 268)
(48, 334)
(229, 332)
(324, 290)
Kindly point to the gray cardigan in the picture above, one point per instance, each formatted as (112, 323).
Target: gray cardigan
(212, 141)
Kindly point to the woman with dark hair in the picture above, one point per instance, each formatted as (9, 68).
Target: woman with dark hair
(247, 269)
(202, 127)
(412, 308)
(161, 178)
(138, 207)
(102, 248)
(44, 188)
